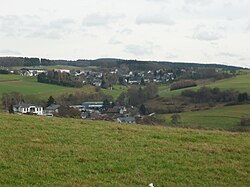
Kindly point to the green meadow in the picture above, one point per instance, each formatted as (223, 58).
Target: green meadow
(226, 117)
(38, 151)
(30, 86)
(116, 91)
(240, 83)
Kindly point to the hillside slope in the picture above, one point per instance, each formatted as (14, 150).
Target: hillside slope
(240, 83)
(36, 151)
(29, 86)
(223, 117)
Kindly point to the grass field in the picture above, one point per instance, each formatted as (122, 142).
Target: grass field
(37, 151)
(116, 92)
(240, 83)
(217, 118)
(30, 86)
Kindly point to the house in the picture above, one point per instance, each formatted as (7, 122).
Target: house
(51, 110)
(28, 109)
(134, 80)
(113, 111)
(127, 119)
(81, 108)
(92, 106)
(32, 71)
(122, 109)
(97, 82)
(62, 70)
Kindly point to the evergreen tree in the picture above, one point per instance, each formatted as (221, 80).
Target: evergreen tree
(11, 110)
(142, 109)
(51, 101)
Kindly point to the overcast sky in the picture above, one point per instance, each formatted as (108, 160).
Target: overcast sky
(174, 30)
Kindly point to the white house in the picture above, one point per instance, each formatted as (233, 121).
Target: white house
(32, 71)
(28, 109)
(62, 70)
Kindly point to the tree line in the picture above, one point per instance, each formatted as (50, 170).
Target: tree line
(214, 95)
(59, 78)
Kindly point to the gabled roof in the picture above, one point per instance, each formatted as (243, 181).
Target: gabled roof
(113, 110)
(34, 69)
(53, 107)
(127, 119)
(23, 105)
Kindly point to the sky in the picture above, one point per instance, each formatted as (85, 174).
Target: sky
(204, 31)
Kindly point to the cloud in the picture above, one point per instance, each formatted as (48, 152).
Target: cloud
(125, 31)
(113, 41)
(56, 29)
(164, 1)
(157, 18)
(206, 36)
(227, 54)
(198, 2)
(9, 52)
(201, 32)
(12, 25)
(138, 50)
(34, 27)
(100, 20)
(248, 27)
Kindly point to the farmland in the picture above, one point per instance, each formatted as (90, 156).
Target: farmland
(240, 83)
(37, 151)
(227, 117)
(29, 86)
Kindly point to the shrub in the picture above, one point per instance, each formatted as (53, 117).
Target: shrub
(182, 84)
(175, 118)
(245, 121)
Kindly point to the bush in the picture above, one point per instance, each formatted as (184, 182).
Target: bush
(211, 95)
(245, 121)
(3, 71)
(242, 97)
(182, 84)
(175, 118)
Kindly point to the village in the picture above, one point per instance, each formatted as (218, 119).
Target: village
(88, 111)
(96, 110)
(119, 76)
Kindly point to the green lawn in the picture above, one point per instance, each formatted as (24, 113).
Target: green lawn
(37, 151)
(116, 92)
(240, 83)
(220, 118)
(29, 86)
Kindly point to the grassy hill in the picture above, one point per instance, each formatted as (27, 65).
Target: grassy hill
(29, 86)
(37, 151)
(227, 117)
(240, 83)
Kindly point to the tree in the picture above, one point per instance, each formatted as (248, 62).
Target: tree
(242, 97)
(175, 118)
(142, 81)
(142, 109)
(245, 121)
(11, 110)
(68, 112)
(51, 101)
(106, 104)
(12, 98)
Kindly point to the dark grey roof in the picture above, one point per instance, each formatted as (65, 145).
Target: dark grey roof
(127, 119)
(53, 107)
(34, 69)
(23, 105)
